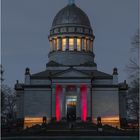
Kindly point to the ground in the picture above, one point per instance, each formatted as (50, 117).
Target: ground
(75, 138)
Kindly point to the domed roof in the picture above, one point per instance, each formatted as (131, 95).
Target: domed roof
(71, 14)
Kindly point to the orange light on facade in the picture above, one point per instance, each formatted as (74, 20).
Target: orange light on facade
(78, 44)
(29, 121)
(85, 44)
(111, 120)
(63, 44)
(71, 44)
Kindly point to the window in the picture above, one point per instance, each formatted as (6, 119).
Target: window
(63, 44)
(88, 45)
(55, 44)
(71, 44)
(85, 44)
(78, 44)
(91, 43)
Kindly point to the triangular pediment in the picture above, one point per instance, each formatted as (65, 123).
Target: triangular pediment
(71, 73)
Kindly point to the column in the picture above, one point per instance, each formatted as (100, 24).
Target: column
(67, 43)
(83, 94)
(75, 43)
(51, 47)
(82, 44)
(78, 106)
(53, 44)
(91, 45)
(58, 102)
(63, 104)
(59, 43)
(53, 102)
(89, 116)
(88, 44)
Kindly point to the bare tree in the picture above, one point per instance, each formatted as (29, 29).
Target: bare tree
(8, 101)
(133, 71)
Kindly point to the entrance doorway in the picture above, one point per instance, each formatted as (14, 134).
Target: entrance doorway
(71, 108)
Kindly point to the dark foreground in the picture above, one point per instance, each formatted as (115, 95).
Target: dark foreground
(63, 131)
(75, 138)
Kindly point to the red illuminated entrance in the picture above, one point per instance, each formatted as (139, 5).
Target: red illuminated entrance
(83, 100)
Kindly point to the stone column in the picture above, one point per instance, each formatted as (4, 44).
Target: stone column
(59, 43)
(78, 106)
(75, 43)
(88, 44)
(51, 48)
(91, 45)
(53, 45)
(82, 44)
(67, 43)
(53, 102)
(89, 103)
(63, 103)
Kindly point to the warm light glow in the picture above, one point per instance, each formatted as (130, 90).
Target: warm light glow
(85, 44)
(78, 44)
(55, 44)
(71, 44)
(63, 44)
(58, 102)
(29, 121)
(83, 91)
(51, 46)
(111, 120)
(91, 43)
(88, 45)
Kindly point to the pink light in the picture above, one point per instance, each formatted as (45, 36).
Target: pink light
(58, 94)
(84, 102)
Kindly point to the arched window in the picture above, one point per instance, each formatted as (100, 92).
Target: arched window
(78, 44)
(71, 44)
(63, 44)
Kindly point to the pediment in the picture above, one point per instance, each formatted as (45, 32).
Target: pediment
(71, 73)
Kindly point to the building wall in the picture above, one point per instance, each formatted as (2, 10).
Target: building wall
(103, 82)
(20, 104)
(70, 58)
(40, 82)
(37, 103)
(105, 104)
(123, 108)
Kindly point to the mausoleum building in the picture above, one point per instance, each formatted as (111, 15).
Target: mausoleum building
(71, 88)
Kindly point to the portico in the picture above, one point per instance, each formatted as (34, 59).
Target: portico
(74, 95)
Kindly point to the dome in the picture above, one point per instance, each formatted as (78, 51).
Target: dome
(71, 37)
(71, 14)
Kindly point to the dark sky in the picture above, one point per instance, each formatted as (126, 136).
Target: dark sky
(26, 25)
